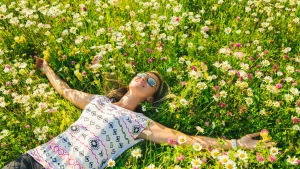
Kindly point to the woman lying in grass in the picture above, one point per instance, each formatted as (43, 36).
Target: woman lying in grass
(109, 125)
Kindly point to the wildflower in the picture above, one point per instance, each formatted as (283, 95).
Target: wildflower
(260, 158)
(224, 159)
(136, 153)
(290, 69)
(242, 155)
(295, 120)
(184, 102)
(177, 167)
(180, 158)
(248, 100)
(111, 163)
(296, 127)
(294, 91)
(298, 110)
(196, 162)
(28, 81)
(264, 134)
(292, 160)
(42, 137)
(144, 108)
(227, 30)
(201, 86)
(289, 79)
(223, 93)
(151, 166)
(273, 150)
(272, 158)
(222, 105)
(230, 165)
(197, 146)
(181, 60)
(215, 153)
(181, 139)
(268, 79)
(289, 97)
(200, 129)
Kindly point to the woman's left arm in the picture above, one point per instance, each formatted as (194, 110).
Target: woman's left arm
(160, 134)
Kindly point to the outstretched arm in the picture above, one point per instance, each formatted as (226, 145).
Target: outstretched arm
(78, 98)
(160, 134)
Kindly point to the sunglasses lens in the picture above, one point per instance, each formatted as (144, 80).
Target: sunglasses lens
(141, 74)
(151, 82)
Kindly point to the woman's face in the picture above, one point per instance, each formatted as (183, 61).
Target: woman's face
(142, 85)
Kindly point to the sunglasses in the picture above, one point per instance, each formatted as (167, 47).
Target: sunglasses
(150, 80)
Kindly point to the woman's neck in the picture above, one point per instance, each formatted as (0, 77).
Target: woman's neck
(129, 101)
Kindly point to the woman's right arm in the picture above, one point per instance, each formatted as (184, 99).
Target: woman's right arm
(78, 98)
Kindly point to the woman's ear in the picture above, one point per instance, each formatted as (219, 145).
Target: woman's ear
(149, 99)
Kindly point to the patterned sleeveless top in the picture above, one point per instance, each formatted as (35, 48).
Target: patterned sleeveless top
(103, 131)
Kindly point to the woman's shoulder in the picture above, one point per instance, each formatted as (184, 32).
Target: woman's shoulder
(100, 98)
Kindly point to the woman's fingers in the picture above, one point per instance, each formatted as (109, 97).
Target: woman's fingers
(39, 63)
(253, 134)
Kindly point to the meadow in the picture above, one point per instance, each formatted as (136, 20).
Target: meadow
(232, 67)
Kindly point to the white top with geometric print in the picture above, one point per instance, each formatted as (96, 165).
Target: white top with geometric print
(103, 131)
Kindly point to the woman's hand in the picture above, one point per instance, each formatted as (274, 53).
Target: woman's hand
(41, 64)
(248, 143)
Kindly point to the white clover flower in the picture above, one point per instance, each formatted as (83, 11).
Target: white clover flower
(73, 30)
(201, 86)
(181, 60)
(289, 79)
(279, 73)
(151, 166)
(286, 50)
(276, 104)
(298, 110)
(28, 81)
(227, 30)
(290, 69)
(144, 108)
(184, 102)
(265, 63)
(200, 129)
(195, 75)
(177, 8)
(223, 94)
(294, 91)
(289, 97)
(42, 137)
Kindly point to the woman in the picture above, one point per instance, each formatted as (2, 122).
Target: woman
(109, 126)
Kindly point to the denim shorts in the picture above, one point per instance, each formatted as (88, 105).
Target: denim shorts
(25, 161)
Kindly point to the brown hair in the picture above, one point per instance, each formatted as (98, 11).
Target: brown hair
(115, 90)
